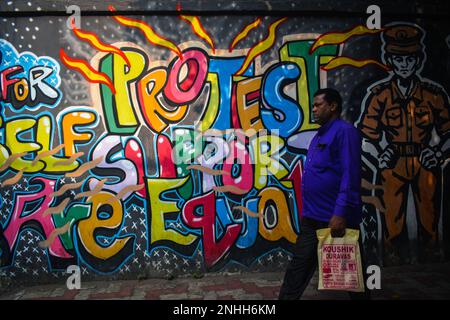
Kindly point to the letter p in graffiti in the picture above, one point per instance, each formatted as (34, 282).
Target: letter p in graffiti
(74, 281)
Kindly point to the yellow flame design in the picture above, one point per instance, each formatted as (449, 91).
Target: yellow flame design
(98, 44)
(86, 70)
(241, 35)
(261, 47)
(346, 61)
(149, 33)
(340, 37)
(199, 30)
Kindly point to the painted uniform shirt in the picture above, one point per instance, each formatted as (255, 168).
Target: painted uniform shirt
(406, 119)
(331, 182)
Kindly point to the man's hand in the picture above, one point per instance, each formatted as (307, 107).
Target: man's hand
(430, 158)
(387, 158)
(337, 225)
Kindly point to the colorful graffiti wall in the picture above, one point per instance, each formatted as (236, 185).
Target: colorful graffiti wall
(174, 144)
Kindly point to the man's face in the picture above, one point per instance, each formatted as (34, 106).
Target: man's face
(404, 66)
(322, 110)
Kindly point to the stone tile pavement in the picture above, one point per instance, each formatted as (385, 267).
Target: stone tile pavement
(429, 281)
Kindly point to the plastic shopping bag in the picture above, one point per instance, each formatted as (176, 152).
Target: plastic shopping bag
(339, 261)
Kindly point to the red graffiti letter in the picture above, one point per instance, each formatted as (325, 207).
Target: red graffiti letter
(214, 249)
(189, 89)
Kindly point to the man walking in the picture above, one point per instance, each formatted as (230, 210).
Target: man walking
(330, 189)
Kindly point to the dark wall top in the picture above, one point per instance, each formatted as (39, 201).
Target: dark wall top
(388, 7)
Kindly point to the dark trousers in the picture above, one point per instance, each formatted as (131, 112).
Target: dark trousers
(305, 261)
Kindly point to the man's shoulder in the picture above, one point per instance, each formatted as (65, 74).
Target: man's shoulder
(382, 88)
(432, 88)
(345, 125)
(347, 128)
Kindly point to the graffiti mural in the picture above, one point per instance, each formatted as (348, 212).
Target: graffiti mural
(139, 152)
(406, 119)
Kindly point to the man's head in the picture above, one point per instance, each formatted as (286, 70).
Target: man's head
(403, 49)
(404, 66)
(327, 105)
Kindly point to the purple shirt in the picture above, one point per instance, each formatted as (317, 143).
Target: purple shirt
(331, 182)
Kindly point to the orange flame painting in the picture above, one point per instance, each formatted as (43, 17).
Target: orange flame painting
(341, 37)
(199, 30)
(86, 70)
(261, 47)
(149, 33)
(93, 39)
(245, 31)
(347, 61)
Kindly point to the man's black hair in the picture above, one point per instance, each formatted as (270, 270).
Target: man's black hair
(330, 96)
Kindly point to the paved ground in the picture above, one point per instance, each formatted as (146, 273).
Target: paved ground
(431, 281)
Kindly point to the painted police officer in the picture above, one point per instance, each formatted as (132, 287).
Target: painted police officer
(403, 117)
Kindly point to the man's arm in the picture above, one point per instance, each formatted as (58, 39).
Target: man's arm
(370, 119)
(349, 196)
(434, 156)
